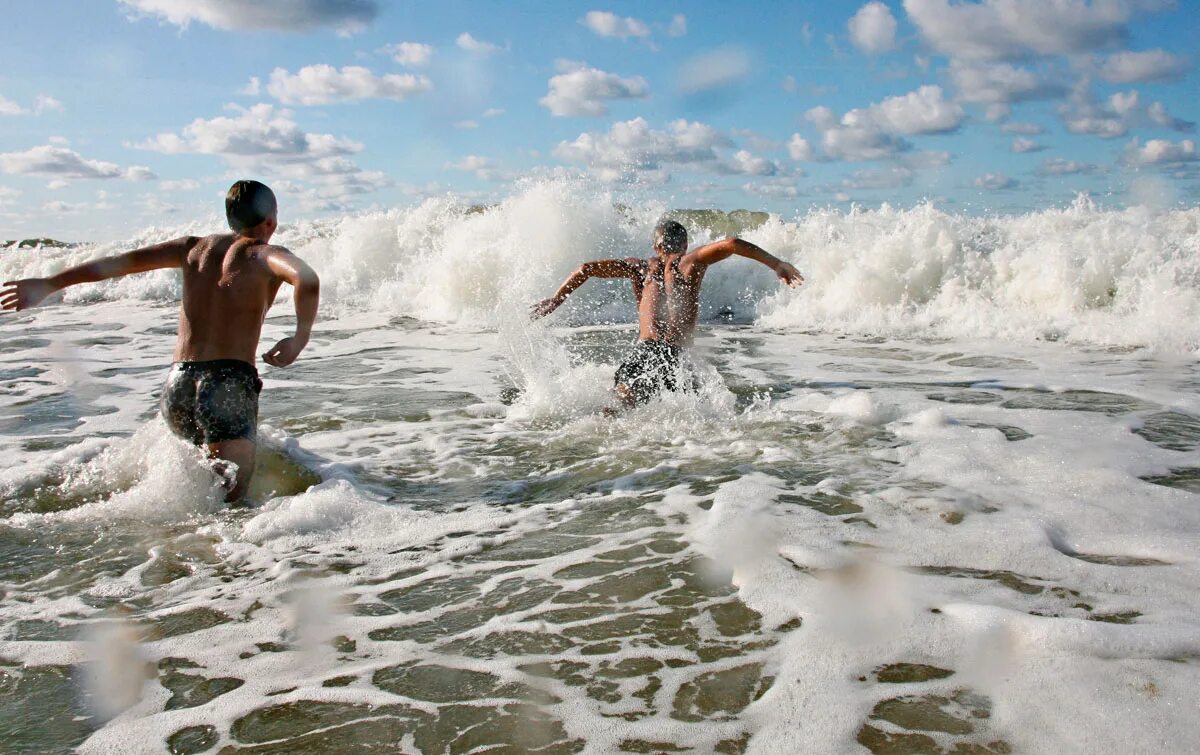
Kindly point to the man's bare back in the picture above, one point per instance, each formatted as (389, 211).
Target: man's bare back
(667, 289)
(229, 282)
(230, 275)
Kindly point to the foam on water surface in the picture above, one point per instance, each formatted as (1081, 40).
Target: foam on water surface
(976, 540)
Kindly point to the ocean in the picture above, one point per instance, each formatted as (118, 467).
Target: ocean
(943, 498)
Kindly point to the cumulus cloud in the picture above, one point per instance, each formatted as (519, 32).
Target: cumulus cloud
(1057, 166)
(999, 85)
(41, 104)
(1153, 152)
(1017, 127)
(873, 28)
(875, 132)
(799, 149)
(889, 177)
(1021, 29)
(261, 139)
(714, 70)
(60, 162)
(1114, 117)
(476, 46)
(324, 84)
(346, 16)
(632, 149)
(773, 188)
(581, 90)
(44, 102)
(410, 54)
(607, 24)
(482, 167)
(253, 87)
(1149, 65)
(995, 182)
(1021, 146)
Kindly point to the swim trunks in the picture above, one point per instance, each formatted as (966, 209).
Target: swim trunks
(652, 367)
(211, 402)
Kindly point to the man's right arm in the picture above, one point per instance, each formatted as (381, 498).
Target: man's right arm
(307, 294)
(626, 268)
(29, 292)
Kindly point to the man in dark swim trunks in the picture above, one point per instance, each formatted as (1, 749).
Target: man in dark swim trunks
(667, 289)
(229, 282)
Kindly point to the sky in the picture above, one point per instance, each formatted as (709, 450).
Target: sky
(116, 115)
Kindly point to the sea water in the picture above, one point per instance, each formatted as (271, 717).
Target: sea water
(944, 498)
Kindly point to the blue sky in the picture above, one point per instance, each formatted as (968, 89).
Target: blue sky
(119, 114)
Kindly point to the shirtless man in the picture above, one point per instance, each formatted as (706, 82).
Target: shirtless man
(667, 288)
(229, 281)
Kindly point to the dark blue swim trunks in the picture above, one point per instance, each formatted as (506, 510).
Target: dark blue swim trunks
(211, 402)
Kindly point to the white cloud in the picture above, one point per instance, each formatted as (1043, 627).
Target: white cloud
(1057, 166)
(1020, 29)
(873, 28)
(799, 149)
(714, 70)
(853, 138)
(8, 107)
(476, 46)
(410, 54)
(1021, 145)
(583, 91)
(138, 173)
(61, 163)
(678, 26)
(493, 112)
(1000, 84)
(607, 24)
(1115, 116)
(631, 149)
(1149, 65)
(253, 87)
(889, 177)
(316, 168)
(747, 164)
(1028, 129)
(184, 184)
(784, 187)
(466, 125)
(324, 84)
(346, 16)
(482, 167)
(1160, 152)
(57, 184)
(995, 182)
(44, 102)
(41, 104)
(923, 111)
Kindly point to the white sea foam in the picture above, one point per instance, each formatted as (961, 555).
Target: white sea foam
(1082, 273)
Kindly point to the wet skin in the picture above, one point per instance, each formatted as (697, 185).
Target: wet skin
(667, 286)
(229, 283)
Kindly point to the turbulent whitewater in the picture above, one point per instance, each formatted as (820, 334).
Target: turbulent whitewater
(944, 498)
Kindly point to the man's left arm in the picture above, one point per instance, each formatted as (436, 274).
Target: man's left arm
(719, 250)
(292, 270)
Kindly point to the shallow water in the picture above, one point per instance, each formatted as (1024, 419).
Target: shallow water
(937, 545)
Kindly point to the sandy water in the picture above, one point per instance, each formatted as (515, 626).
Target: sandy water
(843, 541)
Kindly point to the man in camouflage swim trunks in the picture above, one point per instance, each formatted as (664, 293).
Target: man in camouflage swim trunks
(667, 288)
(229, 282)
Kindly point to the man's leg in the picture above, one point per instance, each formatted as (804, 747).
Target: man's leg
(240, 452)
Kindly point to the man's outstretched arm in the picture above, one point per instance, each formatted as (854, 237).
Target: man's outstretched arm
(719, 250)
(29, 292)
(294, 271)
(627, 268)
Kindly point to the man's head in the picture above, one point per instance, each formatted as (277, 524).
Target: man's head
(670, 237)
(250, 204)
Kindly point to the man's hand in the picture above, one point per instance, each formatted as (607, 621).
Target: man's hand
(284, 352)
(544, 307)
(789, 274)
(23, 294)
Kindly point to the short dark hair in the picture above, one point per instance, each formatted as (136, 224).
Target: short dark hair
(670, 235)
(249, 203)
